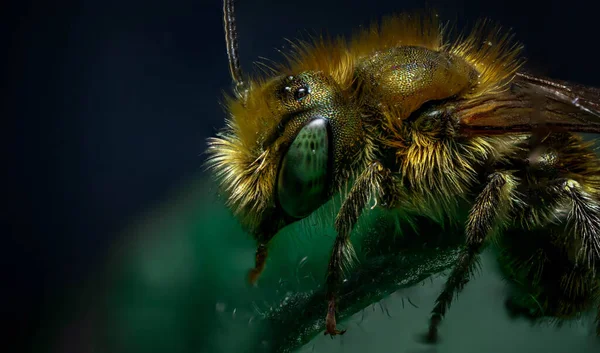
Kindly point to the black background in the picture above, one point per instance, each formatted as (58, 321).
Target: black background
(108, 104)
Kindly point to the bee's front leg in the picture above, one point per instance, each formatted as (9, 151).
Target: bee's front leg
(342, 254)
(260, 259)
(497, 198)
(265, 233)
(376, 181)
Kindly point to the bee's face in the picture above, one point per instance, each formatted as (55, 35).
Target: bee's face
(296, 134)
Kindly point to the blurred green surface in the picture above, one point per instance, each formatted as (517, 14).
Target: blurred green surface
(176, 283)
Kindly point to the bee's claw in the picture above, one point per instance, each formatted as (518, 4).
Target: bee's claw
(334, 332)
(253, 276)
(431, 337)
(330, 322)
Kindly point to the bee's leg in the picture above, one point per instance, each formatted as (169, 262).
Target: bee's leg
(583, 228)
(496, 198)
(260, 260)
(583, 222)
(373, 181)
(266, 233)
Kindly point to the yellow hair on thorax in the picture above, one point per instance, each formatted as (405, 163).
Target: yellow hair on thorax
(423, 30)
(493, 53)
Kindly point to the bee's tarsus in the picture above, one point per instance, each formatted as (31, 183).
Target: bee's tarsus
(496, 198)
(432, 335)
(369, 182)
(330, 321)
(253, 276)
(260, 262)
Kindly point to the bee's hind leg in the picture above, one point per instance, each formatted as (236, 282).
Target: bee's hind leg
(373, 181)
(496, 198)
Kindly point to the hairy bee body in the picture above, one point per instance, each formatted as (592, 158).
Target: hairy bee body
(423, 127)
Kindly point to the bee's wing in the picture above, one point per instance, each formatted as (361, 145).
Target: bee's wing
(532, 103)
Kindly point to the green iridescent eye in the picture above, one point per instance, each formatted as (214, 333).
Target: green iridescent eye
(302, 181)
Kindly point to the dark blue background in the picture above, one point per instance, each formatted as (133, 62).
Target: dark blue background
(108, 105)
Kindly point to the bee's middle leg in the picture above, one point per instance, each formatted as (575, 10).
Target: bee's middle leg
(375, 180)
(496, 197)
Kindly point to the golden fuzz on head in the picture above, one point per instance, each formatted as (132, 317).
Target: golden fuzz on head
(330, 56)
(251, 119)
(247, 180)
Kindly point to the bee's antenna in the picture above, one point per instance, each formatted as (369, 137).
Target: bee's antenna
(231, 40)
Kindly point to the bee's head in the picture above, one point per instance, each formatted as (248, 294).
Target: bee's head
(290, 140)
(287, 143)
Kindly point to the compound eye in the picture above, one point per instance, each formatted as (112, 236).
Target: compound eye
(301, 93)
(302, 181)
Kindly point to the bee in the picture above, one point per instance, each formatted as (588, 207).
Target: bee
(423, 127)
